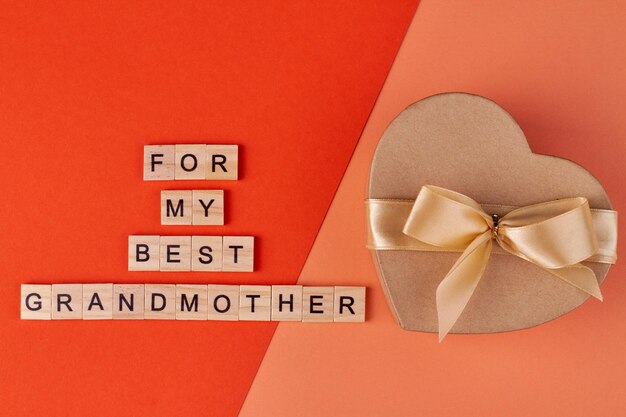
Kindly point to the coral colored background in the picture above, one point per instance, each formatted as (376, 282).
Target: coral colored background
(83, 86)
(559, 69)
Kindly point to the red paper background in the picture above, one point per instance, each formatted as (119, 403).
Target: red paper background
(83, 86)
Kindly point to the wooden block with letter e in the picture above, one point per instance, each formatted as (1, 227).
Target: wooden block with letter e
(349, 305)
(160, 302)
(222, 162)
(158, 162)
(317, 304)
(128, 301)
(286, 302)
(175, 253)
(97, 301)
(191, 302)
(238, 254)
(223, 302)
(143, 253)
(35, 302)
(255, 302)
(67, 301)
(176, 207)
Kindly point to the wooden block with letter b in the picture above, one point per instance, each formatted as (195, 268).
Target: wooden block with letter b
(97, 301)
(222, 162)
(176, 207)
(128, 301)
(67, 301)
(286, 302)
(255, 302)
(158, 162)
(238, 254)
(349, 305)
(143, 253)
(317, 304)
(35, 302)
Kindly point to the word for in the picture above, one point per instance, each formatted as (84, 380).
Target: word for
(191, 253)
(192, 302)
(197, 207)
(190, 162)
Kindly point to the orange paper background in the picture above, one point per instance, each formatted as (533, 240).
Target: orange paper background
(558, 68)
(83, 86)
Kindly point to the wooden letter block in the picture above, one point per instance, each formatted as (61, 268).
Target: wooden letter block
(143, 253)
(158, 162)
(286, 302)
(349, 305)
(255, 302)
(128, 301)
(223, 302)
(191, 302)
(206, 253)
(67, 301)
(208, 207)
(176, 207)
(175, 253)
(222, 162)
(160, 302)
(35, 303)
(97, 301)
(190, 162)
(317, 304)
(238, 254)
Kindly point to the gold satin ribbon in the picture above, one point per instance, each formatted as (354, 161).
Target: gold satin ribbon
(556, 236)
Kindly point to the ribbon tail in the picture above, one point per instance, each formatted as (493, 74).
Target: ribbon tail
(456, 289)
(580, 277)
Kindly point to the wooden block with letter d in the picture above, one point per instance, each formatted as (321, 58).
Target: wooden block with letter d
(191, 302)
(222, 162)
(255, 302)
(317, 304)
(158, 162)
(67, 301)
(286, 302)
(143, 253)
(223, 302)
(35, 302)
(238, 254)
(97, 301)
(349, 305)
(128, 301)
(160, 302)
(176, 207)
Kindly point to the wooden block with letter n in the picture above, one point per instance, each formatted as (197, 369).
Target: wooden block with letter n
(160, 302)
(223, 302)
(176, 207)
(128, 301)
(67, 301)
(36, 302)
(255, 302)
(191, 302)
(286, 302)
(97, 301)
(222, 162)
(158, 162)
(238, 254)
(143, 253)
(349, 305)
(175, 253)
(317, 304)
(190, 162)
(208, 207)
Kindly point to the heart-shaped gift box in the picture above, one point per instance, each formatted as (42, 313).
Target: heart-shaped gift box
(469, 144)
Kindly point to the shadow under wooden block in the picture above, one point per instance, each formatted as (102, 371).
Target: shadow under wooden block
(317, 304)
(97, 301)
(238, 254)
(191, 302)
(160, 302)
(158, 162)
(191, 162)
(206, 253)
(128, 301)
(67, 301)
(175, 253)
(349, 305)
(223, 302)
(35, 302)
(143, 253)
(176, 207)
(222, 162)
(286, 302)
(255, 302)
(208, 207)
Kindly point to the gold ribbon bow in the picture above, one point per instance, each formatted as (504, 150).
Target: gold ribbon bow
(556, 236)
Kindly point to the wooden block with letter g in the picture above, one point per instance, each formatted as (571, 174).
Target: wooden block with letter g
(67, 301)
(35, 302)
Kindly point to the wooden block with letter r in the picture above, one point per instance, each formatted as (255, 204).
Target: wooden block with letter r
(222, 162)
(349, 305)
(67, 301)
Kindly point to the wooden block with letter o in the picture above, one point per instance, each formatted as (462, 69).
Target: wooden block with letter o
(128, 301)
(255, 302)
(67, 301)
(190, 162)
(223, 302)
(35, 302)
(349, 305)
(238, 254)
(97, 301)
(317, 304)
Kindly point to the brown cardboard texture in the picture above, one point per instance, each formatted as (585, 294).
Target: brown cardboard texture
(469, 144)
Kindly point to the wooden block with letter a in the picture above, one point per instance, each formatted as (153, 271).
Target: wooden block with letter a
(97, 301)
(286, 302)
(317, 304)
(36, 302)
(128, 301)
(349, 305)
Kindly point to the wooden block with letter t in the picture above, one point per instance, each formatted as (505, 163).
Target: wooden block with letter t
(67, 301)
(158, 162)
(128, 301)
(238, 254)
(208, 207)
(143, 253)
(36, 302)
(222, 162)
(191, 302)
(349, 305)
(286, 302)
(255, 302)
(317, 304)
(97, 301)
(176, 207)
